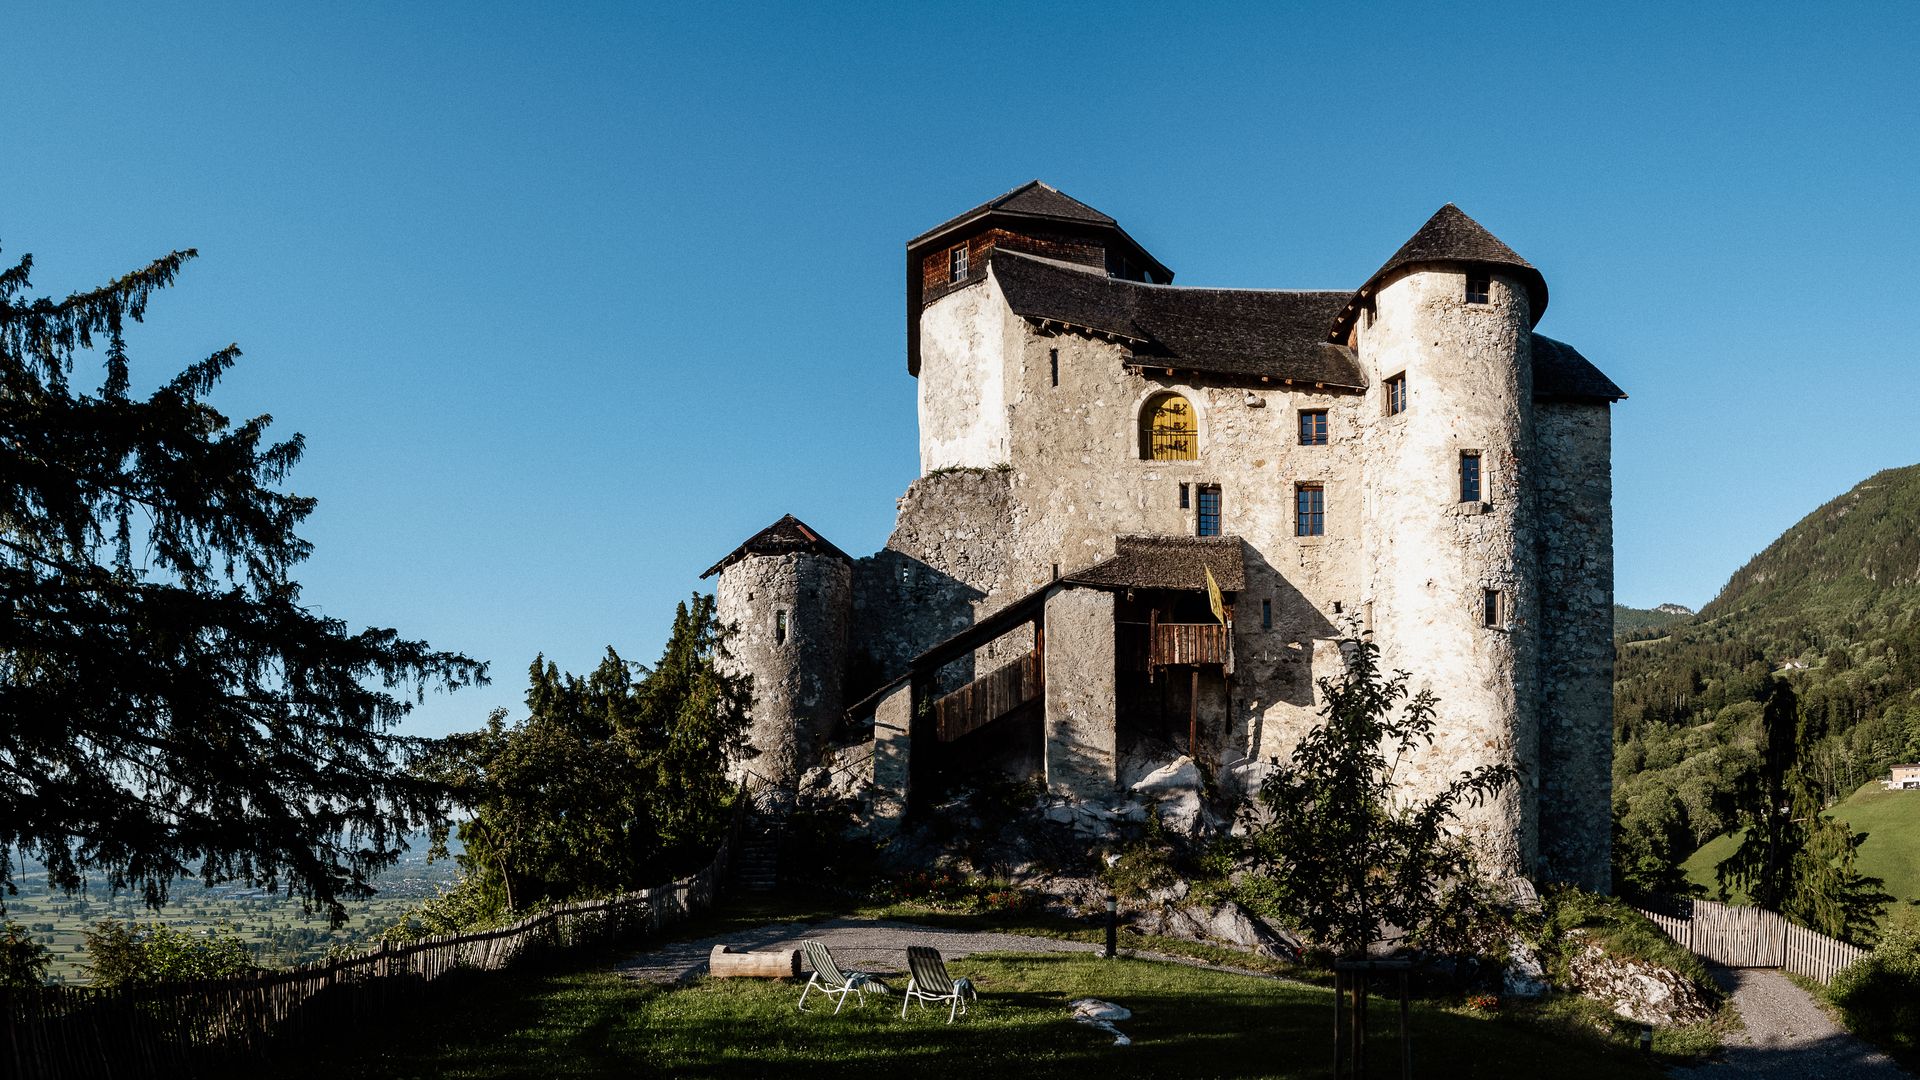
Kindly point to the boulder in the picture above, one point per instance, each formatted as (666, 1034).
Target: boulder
(1242, 779)
(1227, 924)
(1182, 813)
(1178, 776)
(1639, 991)
(1523, 977)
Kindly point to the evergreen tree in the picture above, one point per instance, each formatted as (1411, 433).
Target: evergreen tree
(167, 705)
(1345, 850)
(1793, 858)
(612, 782)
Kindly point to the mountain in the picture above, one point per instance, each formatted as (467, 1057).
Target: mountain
(1634, 624)
(1832, 607)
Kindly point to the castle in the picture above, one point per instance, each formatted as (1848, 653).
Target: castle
(1149, 513)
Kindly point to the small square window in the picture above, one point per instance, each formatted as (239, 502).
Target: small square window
(957, 263)
(1479, 287)
(1313, 427)
(1310, 510)
(1493, 608)
(1470, 476)
(1397, 394)
(1206, 519)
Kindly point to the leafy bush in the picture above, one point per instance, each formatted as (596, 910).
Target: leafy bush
(1879, 997)
(470, 905)
(23, 961)
(128, 954)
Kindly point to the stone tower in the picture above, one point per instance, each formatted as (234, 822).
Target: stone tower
(787, 593)
(1444, 332)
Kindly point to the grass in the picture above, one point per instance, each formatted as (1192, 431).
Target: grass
(1891, 852)
(1187, 1022)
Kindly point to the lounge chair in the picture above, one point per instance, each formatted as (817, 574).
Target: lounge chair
(928, 981)
(831, 981)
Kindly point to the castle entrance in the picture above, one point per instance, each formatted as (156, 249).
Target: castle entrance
(1174, 658)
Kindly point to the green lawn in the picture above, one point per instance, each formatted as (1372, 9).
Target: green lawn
(1891, 820)
(1891, 852)
(1187, 1022)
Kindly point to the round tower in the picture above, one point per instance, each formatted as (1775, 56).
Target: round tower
(1444, 332)
(787, 595)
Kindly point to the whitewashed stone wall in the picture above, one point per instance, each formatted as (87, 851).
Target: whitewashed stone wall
(963, 415)
(1431, 558)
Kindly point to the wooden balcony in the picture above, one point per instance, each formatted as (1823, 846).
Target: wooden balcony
(989, 698)
(1191, 645)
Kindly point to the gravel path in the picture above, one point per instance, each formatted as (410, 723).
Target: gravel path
(876, 946)
(1787, 1037)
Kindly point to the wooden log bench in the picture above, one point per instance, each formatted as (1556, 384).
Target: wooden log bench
(724, 963)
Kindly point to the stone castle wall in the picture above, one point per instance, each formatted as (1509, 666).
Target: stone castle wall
(797, 697)
(1431, 558)
(1574, 481)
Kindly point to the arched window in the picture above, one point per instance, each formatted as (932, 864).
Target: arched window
(1169, 429)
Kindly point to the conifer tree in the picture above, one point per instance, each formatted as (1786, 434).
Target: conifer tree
(168, 705)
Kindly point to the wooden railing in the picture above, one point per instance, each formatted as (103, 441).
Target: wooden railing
(988, 698)
(202, 1028)
(1752, 937)
(1190, 644)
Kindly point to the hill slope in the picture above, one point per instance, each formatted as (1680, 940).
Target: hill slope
(1832, 607)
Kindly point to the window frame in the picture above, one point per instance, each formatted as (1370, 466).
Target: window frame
(1493, 609)
(957, 263)
(1201, 514)
(1318, 435)
(1153, 438)
(1474, 476)
(1484, 294)
(1309, 509)
(1396, 394)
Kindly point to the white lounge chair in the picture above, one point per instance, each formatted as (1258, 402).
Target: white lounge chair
(830, 980)
(928, 981)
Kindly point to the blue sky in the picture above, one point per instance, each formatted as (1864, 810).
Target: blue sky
(568, 300)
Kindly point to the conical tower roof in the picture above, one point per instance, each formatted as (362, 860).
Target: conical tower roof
(1450, 236)
(784, 537)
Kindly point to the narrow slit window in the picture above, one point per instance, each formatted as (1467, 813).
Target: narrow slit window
(1470, 476)
(1206, 520)
(780, 627)
(1397, 394)
(1492, 607)
(957, 263)
(1053, 362)
(1186, 497)
(1479, 288)
(1313, 427)
(1310, 510)
(1266, 614)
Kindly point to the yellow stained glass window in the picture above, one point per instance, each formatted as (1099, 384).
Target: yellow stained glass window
(1169, 430)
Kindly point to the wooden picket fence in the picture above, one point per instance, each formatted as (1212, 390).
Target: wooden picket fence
(190, 1029)
(1751, 937)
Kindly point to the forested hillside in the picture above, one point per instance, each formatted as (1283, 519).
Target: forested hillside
(1633, 624)
(1831, 613)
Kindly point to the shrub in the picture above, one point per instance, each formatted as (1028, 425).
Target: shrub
(1879, 997)
(128, 954)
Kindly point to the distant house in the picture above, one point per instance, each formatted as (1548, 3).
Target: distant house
(1904, 776)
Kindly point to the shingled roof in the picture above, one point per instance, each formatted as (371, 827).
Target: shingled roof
(1560, 373)
(1168, 562)
(1032, 199)
(787, 536)
(1232, 332)
(1450, 236)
